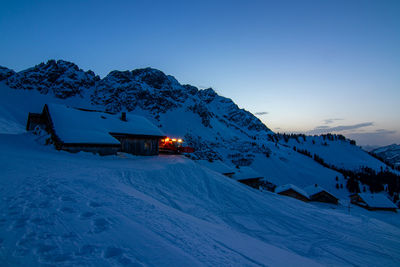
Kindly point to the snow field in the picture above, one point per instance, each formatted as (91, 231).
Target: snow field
(82, 209)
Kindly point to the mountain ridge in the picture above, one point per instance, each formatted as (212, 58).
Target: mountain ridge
(148, 88)
(214, 125)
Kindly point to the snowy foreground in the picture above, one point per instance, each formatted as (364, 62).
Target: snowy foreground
(82, 209)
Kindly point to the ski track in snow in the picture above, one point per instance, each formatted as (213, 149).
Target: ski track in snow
(79, 209)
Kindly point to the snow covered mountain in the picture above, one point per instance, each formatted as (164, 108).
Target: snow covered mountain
(60, 208)
(389, 153)
(214, 125)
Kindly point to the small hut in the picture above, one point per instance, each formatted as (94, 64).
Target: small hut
(217, 166)
(248, 176)
(291, 190)
(104, 133)
(373, 201)
(319, 194)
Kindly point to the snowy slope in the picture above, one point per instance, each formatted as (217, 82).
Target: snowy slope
(214, 125)
(339, 153)
(281, 167)
(83, 209)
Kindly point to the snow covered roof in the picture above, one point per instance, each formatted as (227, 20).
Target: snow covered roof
(217, 166)
(286, 187)
(246, 173)
(376, 200)
(315, 189)
(77, 126)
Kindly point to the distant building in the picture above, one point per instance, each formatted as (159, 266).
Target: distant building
(319, 194)
(373, 201)
(244, 175)
(291, 190)
(217, 166)
(248, 176)
(104, 133)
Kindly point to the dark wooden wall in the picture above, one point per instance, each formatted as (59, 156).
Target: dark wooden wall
(253, 182)
(139, 146)
(324, 197)
(35, 119)
(294, 194)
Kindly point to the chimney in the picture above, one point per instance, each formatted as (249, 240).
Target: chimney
(123, 116)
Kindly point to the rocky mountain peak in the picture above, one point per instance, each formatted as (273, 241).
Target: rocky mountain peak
(5, 73)
(207, 95)
(153, 78)
(62, 78)
(148, 89)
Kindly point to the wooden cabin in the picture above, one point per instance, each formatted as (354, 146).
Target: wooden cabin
(103, 133)
(319, 194)
(217, 166)
(244, 175)
(248, 176)
(373, 202)
(293, 191)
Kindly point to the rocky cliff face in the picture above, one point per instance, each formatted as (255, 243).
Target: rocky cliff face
(61, 78)
(149, 89)
(152, 90)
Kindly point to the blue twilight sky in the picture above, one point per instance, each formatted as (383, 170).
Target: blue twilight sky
(303, 66)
